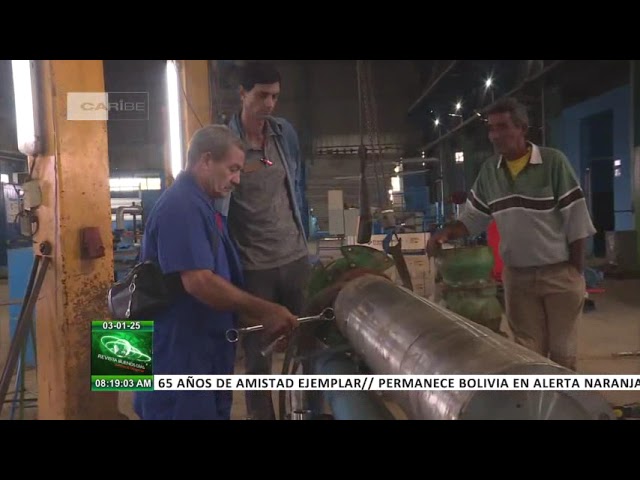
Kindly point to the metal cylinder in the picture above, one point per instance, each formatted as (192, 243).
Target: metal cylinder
(397, 332)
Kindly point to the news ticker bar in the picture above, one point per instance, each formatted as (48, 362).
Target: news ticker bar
(364, 382)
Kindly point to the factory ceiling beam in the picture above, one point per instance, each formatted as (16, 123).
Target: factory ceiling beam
(73, 174)
(512, 92)
(431, 86)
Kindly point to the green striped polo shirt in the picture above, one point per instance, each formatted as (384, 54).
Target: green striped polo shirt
(538, 214)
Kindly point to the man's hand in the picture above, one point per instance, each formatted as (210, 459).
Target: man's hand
(451, 231)
(436, 240)
(577, 254)
(277, 320)
(220, 294)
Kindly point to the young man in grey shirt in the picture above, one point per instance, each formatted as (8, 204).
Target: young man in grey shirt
(265, 214)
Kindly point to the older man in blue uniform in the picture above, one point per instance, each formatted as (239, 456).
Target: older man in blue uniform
(186, 236)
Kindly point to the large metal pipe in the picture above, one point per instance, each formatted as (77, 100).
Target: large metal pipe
(396, 332)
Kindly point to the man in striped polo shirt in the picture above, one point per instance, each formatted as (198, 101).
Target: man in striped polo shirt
(535, 198)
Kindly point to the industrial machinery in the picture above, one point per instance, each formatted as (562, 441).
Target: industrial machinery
(467, 286)
(126, 238)
(131, 204)
(383, 328)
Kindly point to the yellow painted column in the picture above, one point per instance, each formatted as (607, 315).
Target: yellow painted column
(196, 104)
(74, 177)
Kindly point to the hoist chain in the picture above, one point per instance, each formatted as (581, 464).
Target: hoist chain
(364, 73)
(376, 133)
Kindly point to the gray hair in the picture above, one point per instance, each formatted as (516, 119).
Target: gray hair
(517, 110)
(217, 139)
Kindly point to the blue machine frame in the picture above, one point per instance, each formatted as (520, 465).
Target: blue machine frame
(20, 265)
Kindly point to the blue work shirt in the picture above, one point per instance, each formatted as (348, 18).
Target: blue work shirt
(185, 232)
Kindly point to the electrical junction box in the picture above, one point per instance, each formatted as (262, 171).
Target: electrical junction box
(26, 227)
(32, 197)
(20, 178)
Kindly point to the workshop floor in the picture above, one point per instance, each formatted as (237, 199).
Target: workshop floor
(613, 327)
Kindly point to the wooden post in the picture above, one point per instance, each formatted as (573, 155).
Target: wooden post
(195, 101)
(73, 174)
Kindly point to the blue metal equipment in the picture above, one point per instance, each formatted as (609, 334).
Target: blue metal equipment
(16, 257)
(130, 209)
(349, 405)
(20, 266)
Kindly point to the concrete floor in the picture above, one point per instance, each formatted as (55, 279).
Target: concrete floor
(613, 327)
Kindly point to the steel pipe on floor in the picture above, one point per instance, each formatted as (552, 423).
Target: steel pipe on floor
(396, 332)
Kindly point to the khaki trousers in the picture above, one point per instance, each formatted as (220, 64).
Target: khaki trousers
(543, 307)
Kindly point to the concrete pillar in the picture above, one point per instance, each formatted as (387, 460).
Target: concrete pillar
(635, 144)
(73, 174)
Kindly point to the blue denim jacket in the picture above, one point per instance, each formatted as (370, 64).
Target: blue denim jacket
(289, 148)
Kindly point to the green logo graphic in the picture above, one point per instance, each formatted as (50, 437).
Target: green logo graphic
(121, 348)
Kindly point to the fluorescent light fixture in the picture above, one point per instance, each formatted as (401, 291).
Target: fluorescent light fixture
(26, 115)
(175, 123)
(459, 157)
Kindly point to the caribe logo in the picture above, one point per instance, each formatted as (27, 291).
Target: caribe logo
(120, 106)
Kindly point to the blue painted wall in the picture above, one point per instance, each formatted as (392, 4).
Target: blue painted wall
(567, 134)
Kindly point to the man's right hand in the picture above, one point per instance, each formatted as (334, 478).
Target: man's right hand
(278, 320)
(436, 240)
(451, 231)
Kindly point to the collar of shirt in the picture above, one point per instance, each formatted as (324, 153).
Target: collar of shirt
(535, 159)
(268, 129)
(185, 179)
